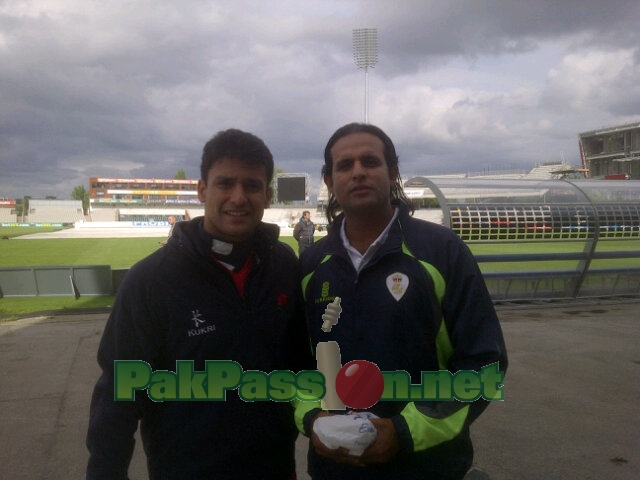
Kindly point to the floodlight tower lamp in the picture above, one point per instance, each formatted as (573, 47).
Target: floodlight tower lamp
(365, 55)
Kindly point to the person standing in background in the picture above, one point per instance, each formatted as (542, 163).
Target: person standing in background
(303, 231)
(171, 219)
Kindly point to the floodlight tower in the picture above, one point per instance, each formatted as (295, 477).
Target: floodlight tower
(365, 55)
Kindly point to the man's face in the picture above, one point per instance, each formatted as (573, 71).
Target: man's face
(360, 179)
(306, 215)
(235, 196)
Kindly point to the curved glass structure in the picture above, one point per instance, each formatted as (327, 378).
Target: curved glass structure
(544, 238)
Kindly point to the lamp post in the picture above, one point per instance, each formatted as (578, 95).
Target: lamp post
(365, 55)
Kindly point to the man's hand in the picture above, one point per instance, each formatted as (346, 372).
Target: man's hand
(382, 450)
(386, 445)
(340, 455)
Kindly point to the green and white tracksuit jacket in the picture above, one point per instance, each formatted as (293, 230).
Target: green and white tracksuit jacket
(420, 304)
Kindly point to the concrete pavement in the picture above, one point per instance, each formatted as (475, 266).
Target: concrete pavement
(571, 409)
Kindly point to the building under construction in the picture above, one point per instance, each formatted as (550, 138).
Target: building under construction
(612, 153)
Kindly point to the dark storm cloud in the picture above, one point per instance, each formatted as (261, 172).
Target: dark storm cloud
(418, 32)
(136, 88)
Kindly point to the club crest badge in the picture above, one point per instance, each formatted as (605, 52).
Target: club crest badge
(397, 284)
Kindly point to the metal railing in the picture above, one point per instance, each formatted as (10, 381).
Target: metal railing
(561, 283)
(56, 281)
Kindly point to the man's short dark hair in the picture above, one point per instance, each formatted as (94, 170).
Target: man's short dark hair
(237, 145)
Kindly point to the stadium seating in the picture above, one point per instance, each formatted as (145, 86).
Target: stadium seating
(283, 217)
(195, 212)
(55, 211)
(545, 172)
(103, 215)
(6, 216)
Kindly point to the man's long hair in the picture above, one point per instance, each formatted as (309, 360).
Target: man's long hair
(390, 156)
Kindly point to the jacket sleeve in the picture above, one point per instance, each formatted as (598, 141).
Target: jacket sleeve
(469, 338)
(296, 231)
(112, 424)
(298, 341)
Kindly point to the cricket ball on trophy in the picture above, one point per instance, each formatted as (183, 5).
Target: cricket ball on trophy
(359, 384)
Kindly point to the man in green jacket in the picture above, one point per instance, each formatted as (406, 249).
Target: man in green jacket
(413, 299)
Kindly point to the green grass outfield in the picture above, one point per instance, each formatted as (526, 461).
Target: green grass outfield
(124, 252)
(10, 232)
(117, 252)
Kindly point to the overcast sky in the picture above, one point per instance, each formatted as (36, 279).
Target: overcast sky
(135, 88)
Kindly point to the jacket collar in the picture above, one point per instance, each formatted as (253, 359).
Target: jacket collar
(186, 235)
(393, 242)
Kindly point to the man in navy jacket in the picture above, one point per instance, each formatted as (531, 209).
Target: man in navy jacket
(223, 288)
(303, 231)
(413, 299)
